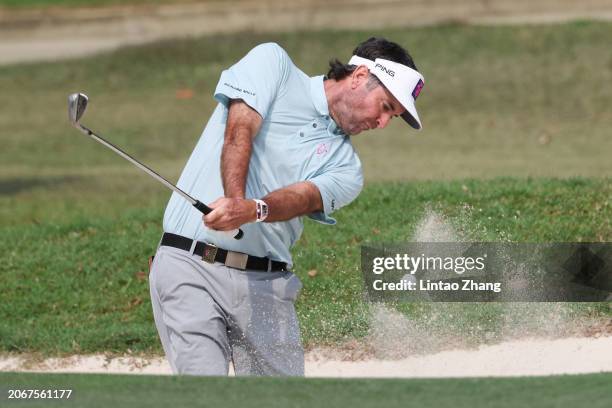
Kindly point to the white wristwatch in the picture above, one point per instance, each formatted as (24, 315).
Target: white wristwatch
(262, 210)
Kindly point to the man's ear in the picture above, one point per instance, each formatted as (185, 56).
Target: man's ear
(359, 76)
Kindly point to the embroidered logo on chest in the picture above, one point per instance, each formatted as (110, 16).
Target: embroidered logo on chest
(322, 149)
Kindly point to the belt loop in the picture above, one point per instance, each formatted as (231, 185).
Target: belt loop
(193, 245)
(269, 265)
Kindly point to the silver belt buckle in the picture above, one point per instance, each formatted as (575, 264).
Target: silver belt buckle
(236, 260)
(210, 252)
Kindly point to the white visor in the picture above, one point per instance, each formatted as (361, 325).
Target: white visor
(403, 82)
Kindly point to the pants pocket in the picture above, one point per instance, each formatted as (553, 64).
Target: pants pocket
(293, 286)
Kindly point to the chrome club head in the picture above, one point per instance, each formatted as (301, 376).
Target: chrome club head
(77, 103)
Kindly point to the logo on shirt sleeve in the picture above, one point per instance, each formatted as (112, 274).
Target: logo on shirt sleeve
(245, 91)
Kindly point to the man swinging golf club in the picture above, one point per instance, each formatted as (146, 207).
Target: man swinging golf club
(276, 148)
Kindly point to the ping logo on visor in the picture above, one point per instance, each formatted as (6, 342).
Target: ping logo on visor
(417, 89)
(385, 69)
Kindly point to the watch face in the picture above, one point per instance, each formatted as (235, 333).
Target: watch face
(262, 210)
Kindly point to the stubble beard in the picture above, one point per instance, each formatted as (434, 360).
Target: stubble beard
(342, 118)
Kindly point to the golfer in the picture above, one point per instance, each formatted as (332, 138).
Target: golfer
(276, 148)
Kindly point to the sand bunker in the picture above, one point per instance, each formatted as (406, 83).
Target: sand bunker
(515, 358)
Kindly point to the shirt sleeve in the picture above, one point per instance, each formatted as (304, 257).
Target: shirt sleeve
(338, 186)
(256, 78)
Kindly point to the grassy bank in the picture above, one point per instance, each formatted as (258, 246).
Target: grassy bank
(158, 391)
(81, 285)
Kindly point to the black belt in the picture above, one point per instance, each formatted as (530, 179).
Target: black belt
(232, 259)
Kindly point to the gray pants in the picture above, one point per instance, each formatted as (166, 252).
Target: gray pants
(208, 314)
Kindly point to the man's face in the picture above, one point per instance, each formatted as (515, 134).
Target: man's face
(367, 105)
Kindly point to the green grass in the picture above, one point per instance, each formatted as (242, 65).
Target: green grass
(498, 101)
(150, 391)
(79, 286)
(516, 136)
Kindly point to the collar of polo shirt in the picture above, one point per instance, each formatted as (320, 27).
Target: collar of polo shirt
(403, 82)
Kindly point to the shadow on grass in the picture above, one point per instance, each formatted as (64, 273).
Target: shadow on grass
(20, 184)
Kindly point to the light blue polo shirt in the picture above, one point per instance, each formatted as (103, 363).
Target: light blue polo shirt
(298, 141)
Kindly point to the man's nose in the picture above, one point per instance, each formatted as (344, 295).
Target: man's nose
(383, 121)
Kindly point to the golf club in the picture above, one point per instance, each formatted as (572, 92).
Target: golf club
(77, 104)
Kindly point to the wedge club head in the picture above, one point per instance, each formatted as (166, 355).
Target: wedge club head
(77, 103)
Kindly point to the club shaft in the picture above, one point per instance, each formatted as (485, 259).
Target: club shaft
(203, 208)
(137, 164)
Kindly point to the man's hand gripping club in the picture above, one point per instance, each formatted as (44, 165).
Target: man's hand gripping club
(230, 213)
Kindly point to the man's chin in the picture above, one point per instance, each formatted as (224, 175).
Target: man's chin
(352, 131)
